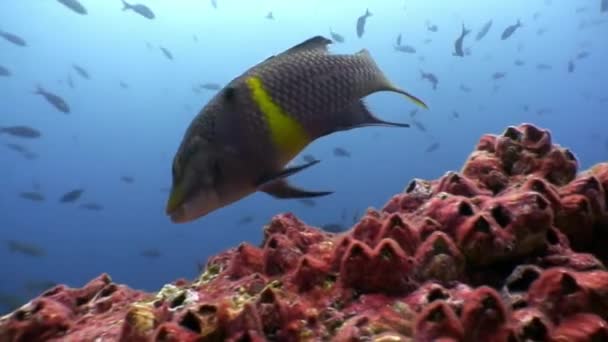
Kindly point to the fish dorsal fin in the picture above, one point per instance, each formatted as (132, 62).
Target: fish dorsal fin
(316, 43)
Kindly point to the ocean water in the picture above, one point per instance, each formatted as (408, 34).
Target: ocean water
(113, 132)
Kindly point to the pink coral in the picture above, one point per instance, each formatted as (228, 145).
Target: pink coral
(508, 249)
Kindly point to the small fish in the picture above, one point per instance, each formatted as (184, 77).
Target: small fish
(123, 85)
(92, 206)
(498, 75)
(334, 228)
(166, 52)
(214, 4)
(13, 38)
(427, 41)
(30, 155)
(432, 147)
(582, 55)
(570, 66)
(510, 30)
(430, 77)
(151, 253)
(544, 110)
(25, 248)
(543, 66)
(308, 202)
(405, 48)
(245, 220)
(519, 62)
(55, 100)
(455, 114)
(419, 125)
(240, 142)
(398, 40)
(81, 71)
(431, 27)
(211, 86)
(127, 179)
(604, 6)
(140, 9)
(541, 31)
(536, 15)
(341, 152)
(21, 131)
(458, 43)
(269, 16)
(71, 196)
(465, 88)
(361, 23)
(74, 5)
(484, 30)
(413, 112)
(336, 37)
(16, 147)
(33, 196)
(4, 71)
(308, 158)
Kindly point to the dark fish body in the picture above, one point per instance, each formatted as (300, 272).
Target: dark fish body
(458, 51)
(508, 32)
(341, 152)
(4, 71)
(309, 158)
(32, 196)
(484, 30)
(361, 23)
(71, 196)
(432, 147)
(419, 125)
(25, 248)
(245, 220)
(140, 9)
(270, 16)
(127, 179)
(74, 5)
(242, 140)
(582, 55)
(499, 75)
(13, 38)
(55, 100)
(430, 77)
(398, 40)
(151, 253)
(123, 85)
(465, 88)
(16, 147)
(21, 131)
(432, 27)
(167, 53)
(570, 66)
(336, 36)
(519, 62)
(543, 66)
(92, 206)
(405, 48)
(81, 71)
(211, 86)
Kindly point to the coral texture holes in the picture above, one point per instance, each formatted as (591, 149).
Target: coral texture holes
(501, 215)
(190, 321)
(465, 209)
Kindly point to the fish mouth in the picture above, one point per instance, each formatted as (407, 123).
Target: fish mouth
(182, 210)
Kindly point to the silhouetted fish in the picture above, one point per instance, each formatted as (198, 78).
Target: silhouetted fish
(307, 202)
(21, 131)
(458, 43)
(361, 23)
(430, 77)
(34, 196)
(519, 62)
(543, 66)
(432, 147)
(4, 71)
(127, 179)
(508, 32)
(123, 85)
(465, 88)
(74, 5)
(92, 206)
(309, 158)
(151, 253)
(431, 27)
(484, 30)
(405, 48)
(13, 38)
(398, 40)
(570, 66)
(336, 37)
(419, 125)
(269, 16)
(25, 248)
(55, 100)
(498, 75)
(211, 86)
(214, 3)
(140, 9)
(167, 53)
(245, 220)
(341, 152)
(582, 55)
(81, 71)
(71, 196)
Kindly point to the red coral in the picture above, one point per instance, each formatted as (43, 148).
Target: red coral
(427, 267)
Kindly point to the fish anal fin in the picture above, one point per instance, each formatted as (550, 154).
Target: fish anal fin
(358, 115)
(282, 189)
(315, 43)
(284, 173)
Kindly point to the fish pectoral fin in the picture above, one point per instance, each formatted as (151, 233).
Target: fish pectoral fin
(282, 189)
(359, 116)
(285, 173)
(315, 43)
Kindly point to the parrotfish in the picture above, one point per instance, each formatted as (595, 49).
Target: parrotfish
(242, 140)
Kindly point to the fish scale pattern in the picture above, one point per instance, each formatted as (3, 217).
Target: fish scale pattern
(511, 248)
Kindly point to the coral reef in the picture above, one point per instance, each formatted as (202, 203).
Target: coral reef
(508, 249)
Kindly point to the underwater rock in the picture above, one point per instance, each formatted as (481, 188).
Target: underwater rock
(511, 248)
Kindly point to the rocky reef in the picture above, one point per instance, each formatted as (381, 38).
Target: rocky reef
(511, 248)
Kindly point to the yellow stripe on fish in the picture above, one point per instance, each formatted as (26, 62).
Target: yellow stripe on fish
(288, 135)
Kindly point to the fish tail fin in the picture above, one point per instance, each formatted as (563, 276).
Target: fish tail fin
(519, 23)
(39, 90)
(368, 13)
(465, 31)
(125, 5)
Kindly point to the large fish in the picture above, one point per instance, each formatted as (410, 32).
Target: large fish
(361, 23)
(242, 139)
(458, 51)
(74, 5)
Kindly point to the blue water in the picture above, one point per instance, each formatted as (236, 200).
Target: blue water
(113, 131)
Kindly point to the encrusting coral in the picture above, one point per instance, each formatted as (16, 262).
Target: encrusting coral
(508, 249)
